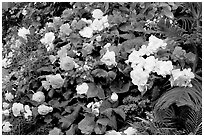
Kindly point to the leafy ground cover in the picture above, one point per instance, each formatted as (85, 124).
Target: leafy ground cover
(98, 68)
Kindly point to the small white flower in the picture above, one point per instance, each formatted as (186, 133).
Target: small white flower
(6, 126)
(17, 108)
(5, 105)
(38, 96)
(109, 58)
(82, 89)
(97, 14)
(22, 32)
(24, 12)
(107, 46)
(86, 32)
(28, 112)
(47, 40)
(46, 84)
(6, 62)
(114, 97)
(9, 97)
(130, 131)
(97, 25)
(113, 132)
(44, 110)
(98, 38)
(5, 112)
(87, 21)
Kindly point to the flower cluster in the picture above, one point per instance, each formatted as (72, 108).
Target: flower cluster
(95, 107)
(142, 67)
(98, 24)
(47, 40)
(181, 78)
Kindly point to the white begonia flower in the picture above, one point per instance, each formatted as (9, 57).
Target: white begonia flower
(38, 96)
(107, 46)
(144, 51)
(5, 112)
(17, 108)
(90, 104)
(28, 112)
(24, 12)
(6, 126)
(9, 96)
(163, 68)
(5, 105)
(6, 62)
(47, 40)
(82, 89)
(87, 21)
(154, 44)
(130, 131)
(135, 58)
(62, 52)
(182, 78)
(50, 25)
(114, 97)
(150, 63)
(98, 38)
(67, 63)
(95, 107)
(113, 132)
(46, 84)
(22, 32)
(44, 110)
(97, 25)
(139, 77)
(65, 29)
(97, 14)
(109, 58)
(56, 81)
(86, 32)
(105, 21)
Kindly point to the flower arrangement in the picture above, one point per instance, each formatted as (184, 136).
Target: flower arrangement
(100, 68)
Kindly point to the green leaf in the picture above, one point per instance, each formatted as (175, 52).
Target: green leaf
(87, 124)
(119, 86)
(167, 12)
(103, 121)
(132, 43)
(99, 73)
(48, 119)
(72, 130)
(92, 90)
(69, 119)
(105, 105)
(55, 131)
(51, 93)
(120, 112)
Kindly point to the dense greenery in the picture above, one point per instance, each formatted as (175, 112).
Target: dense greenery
(160, 108)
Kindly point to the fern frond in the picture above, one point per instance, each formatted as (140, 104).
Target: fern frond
(181, 96)
(193, 121)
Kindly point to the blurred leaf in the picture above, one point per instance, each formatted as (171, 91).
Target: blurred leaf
(87, 124)
(120, 112)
